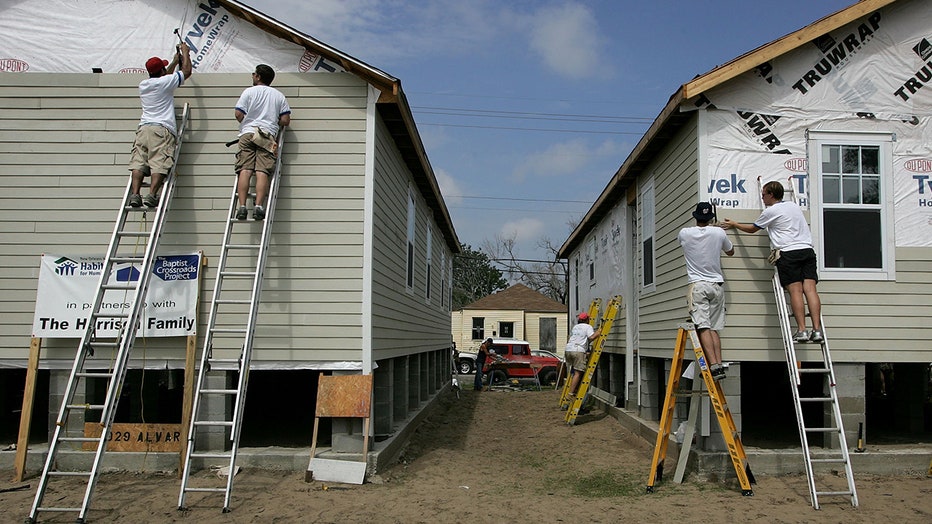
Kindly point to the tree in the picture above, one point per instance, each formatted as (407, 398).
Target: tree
(547, 277)
(474, 277)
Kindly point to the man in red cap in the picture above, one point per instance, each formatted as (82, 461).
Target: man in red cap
(577, 349)
(154, 147)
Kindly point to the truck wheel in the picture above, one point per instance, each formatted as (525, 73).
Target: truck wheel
(497, 377)
(465, 367)
(547, 376)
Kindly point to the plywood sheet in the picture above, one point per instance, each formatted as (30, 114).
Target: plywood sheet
(344, 396)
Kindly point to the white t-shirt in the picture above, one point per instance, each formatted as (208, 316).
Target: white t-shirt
(158, 100)
(579, 337)
(786, 226)
(262, 106)
(703, 248)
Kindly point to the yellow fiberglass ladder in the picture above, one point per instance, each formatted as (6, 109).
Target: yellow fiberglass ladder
(605, 327)
(231, 327)
(717, 398)
(594, 308)
(107, 343)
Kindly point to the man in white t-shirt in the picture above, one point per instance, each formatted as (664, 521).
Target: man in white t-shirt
(702, 246)
(154, 146)
(577, 349)
(261, 110)
(790, 235)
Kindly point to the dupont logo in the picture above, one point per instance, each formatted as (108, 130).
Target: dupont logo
(12, 65)
(796, 165)
(307, 61)
(919, 165)
(134, 71)
(923, 49)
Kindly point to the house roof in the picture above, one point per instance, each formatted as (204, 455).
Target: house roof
(519, 297)
(671, 119)
(392, 105)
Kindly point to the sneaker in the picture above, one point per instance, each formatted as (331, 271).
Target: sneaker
(817, 336)
(718, 371)
(258, 213)
(241, 213)
(135, 201)
(801, 336)
(151, 200)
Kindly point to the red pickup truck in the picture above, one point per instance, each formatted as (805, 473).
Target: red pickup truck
(514, 350)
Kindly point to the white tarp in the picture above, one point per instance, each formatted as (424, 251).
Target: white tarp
(870, 75)
(118, 36)
(68, 286)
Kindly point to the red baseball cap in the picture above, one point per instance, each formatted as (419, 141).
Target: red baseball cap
(155, 65)
(584, 316)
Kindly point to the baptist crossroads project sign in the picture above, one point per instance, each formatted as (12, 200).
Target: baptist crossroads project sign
(68, 286)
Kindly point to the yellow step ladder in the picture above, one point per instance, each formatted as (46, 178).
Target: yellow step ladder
(605, 327)
(732, 440)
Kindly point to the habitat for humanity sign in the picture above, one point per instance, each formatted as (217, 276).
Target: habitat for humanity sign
(68, 288)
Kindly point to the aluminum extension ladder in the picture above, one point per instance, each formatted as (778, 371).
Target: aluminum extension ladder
(232, 323)
(122, 258)
(726, 422)
(605, 327)
(834, 425)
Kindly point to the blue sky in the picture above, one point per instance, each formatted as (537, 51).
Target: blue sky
(527, 108)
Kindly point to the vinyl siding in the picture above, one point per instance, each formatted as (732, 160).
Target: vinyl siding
(64, 145)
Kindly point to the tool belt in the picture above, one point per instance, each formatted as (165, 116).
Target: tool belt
(265, 140)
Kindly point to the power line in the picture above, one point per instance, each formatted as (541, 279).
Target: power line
(587, 202)
(588, 132)
(559, 117)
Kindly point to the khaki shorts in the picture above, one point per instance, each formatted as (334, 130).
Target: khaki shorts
(153, 150)
(252, 157)
(576, 360)
(706, 302)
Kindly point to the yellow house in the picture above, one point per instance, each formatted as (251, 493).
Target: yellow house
(517, 312)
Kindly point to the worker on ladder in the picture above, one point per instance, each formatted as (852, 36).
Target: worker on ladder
(577, 350)
(261, 110)
(791, 242)
(702, 245)
(154, 147)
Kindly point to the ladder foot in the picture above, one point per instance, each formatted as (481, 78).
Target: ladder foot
(226, 509)
(747, 492)
(650, 489)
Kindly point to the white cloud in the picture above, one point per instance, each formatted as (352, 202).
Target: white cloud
(524, 230)
(448, 187)
(566, 158)
(568, 40)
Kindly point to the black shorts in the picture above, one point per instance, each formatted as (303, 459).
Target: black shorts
(796, 266)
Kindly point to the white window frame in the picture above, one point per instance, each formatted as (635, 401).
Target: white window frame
(815, 140)
(647, 206)
(428, 260)
(409, 246)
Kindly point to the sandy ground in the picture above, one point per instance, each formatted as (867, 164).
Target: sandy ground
(495, 457)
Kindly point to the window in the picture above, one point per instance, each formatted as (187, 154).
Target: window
(443, 279)
(647, 236)
(507, 329)
(409, 282)
(478, 328)
(430, 241)
(851, 206)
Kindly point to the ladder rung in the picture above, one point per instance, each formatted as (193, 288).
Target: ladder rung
(242, 246)
(211, 455)
(816, 399)
(224, 361)
(133, 233)
(210, 490)
(833, 493)
(109, 315)
(128, 286)
(238, 273)
(240, 301)
(94, 375)
(220, 391)
(227, 330)
(213, 423)
(85, 406)
(60, 510)
(812, 370)
(70, 473)
(837, 460)
(124, 260)
(79, 439)
(821, 430)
